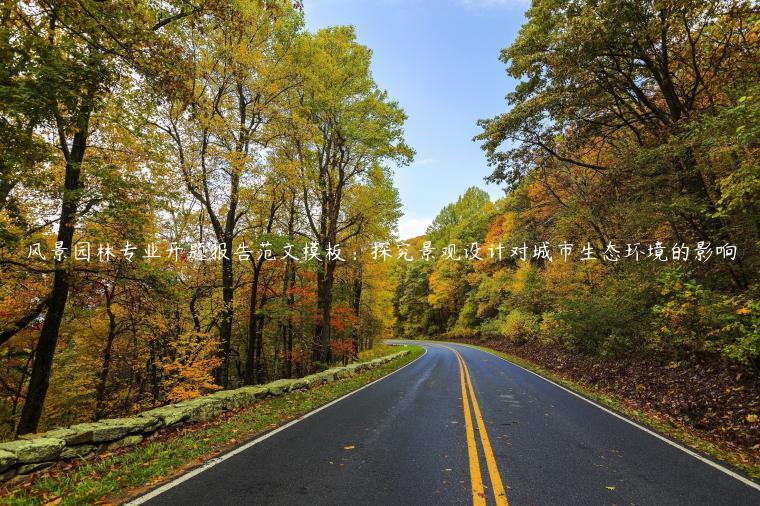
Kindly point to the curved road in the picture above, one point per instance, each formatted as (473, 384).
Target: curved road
(410, 439)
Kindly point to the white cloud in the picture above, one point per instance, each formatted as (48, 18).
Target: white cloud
(425, 161)
(409, 227)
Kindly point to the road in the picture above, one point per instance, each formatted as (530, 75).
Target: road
(410, 439)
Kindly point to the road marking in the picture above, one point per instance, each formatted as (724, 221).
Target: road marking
(697, 456)
(211, 463)
(476, 480)
(499, 493)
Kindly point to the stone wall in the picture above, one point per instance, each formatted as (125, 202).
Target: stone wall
(37, 451)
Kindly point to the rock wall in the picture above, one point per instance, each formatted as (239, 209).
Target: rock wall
(33, 452)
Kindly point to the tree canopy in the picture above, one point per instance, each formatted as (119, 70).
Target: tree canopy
(166, 169)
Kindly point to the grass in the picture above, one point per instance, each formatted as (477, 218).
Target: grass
(377, 351)
(118, 476)
(656, 421)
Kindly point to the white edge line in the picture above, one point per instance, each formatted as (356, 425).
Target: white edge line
(216, 460)
(694, 454)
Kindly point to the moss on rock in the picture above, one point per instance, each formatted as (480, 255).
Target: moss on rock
(28, 451)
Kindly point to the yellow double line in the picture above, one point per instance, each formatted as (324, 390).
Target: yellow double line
(478, 494)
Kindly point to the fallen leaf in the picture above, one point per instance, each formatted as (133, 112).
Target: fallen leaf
(349, 447)
(610, 487)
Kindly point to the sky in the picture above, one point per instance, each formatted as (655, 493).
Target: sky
(440, 60)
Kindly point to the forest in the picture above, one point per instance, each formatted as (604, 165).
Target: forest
(632, 123)
(192, 196)
(186, 192)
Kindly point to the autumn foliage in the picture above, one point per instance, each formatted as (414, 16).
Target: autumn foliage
(231, 140)
(632, 122)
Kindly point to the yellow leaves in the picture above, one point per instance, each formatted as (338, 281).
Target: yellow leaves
(119, 311)
(744, 311)
(473, 278)
(546, 204)
(349, 447)
(520, 277)
(753, 418)
(564, 278)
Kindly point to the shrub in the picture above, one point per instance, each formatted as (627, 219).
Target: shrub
(691, 319)
(517, 326)
(745, 348)
(554, 330)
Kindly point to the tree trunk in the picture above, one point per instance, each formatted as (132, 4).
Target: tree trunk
(250, 355)
(100, 392)
(260, 372)
(225, 325)
(356, 304)
(323, 352)
(289, 342)
(43, 355)
(283, 324)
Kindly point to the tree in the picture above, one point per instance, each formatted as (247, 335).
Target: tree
(350, 129)
(105, 107)
(608, 89)
(90, 45)
(240, 73)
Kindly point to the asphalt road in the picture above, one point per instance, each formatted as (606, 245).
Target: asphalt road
(410, 439)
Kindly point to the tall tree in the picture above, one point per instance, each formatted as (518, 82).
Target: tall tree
(609, 89)
(240, 73)
(89, 44)
(351, 127)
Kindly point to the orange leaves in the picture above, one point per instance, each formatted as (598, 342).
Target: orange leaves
(307, 293)
(343, 347)
(500, 228)
(343, 350)
(188, 367)
(342, 318)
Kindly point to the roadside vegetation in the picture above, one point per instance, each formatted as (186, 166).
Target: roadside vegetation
(633, 123)
(209, 174)
(116, 476)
